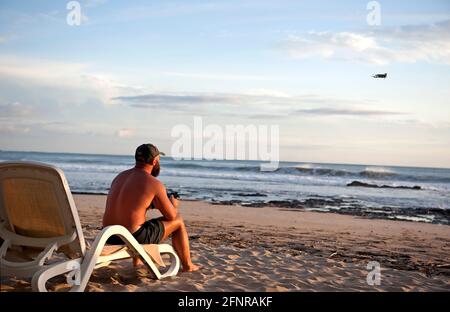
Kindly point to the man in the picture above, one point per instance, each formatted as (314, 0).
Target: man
(132, 192)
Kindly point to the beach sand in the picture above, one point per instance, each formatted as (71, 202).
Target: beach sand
(273, 249)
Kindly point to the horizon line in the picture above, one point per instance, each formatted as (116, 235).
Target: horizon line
(256, 160)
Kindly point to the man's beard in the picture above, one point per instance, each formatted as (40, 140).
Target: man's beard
(156, 169)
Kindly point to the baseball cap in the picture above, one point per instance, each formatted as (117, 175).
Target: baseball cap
(146, 152)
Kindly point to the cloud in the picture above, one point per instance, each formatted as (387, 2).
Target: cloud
(229, 77)
(181, 99)
(45, 72)
(405, 44)
(125, 133)
(15, 109)
(45, 97)
(40, 127)
(72, 83)
(254, 104)
(345, 112)
(12, 129)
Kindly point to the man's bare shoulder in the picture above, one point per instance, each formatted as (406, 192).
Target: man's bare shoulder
(143, 176)
(154, 181)
(125, 173)
(122, 175)
(140, 177)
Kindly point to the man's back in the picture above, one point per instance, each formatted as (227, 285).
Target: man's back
(130, 195)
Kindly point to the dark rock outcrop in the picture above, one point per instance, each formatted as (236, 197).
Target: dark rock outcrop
(362, 184)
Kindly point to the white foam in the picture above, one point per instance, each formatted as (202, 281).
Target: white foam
(410, 218)
(380, 170)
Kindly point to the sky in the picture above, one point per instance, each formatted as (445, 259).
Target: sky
(133, 70)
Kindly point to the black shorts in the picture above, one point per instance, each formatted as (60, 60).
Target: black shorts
(151, 232)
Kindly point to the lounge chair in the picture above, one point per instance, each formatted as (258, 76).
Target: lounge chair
(38, 218)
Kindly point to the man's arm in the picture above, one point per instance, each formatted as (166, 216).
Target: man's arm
(168, 207)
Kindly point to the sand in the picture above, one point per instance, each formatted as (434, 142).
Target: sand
(273, 249)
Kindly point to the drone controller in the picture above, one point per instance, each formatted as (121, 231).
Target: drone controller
(175, 194)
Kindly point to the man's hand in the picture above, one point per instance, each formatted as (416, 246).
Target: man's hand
(168, 205)
(174, 201)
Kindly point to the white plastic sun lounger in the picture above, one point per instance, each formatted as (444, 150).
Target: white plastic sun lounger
(38, 217)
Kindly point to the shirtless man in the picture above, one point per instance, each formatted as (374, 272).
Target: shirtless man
(132, 192)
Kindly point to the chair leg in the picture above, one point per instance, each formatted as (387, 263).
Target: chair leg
(174, 260)
(41, 277)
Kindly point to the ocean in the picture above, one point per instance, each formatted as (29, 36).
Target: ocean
(390, 192)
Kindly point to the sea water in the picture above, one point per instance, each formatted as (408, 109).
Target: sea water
(311, 186)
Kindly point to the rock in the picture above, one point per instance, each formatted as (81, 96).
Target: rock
(362, 184)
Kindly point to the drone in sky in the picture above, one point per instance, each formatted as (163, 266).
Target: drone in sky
(380, 76)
